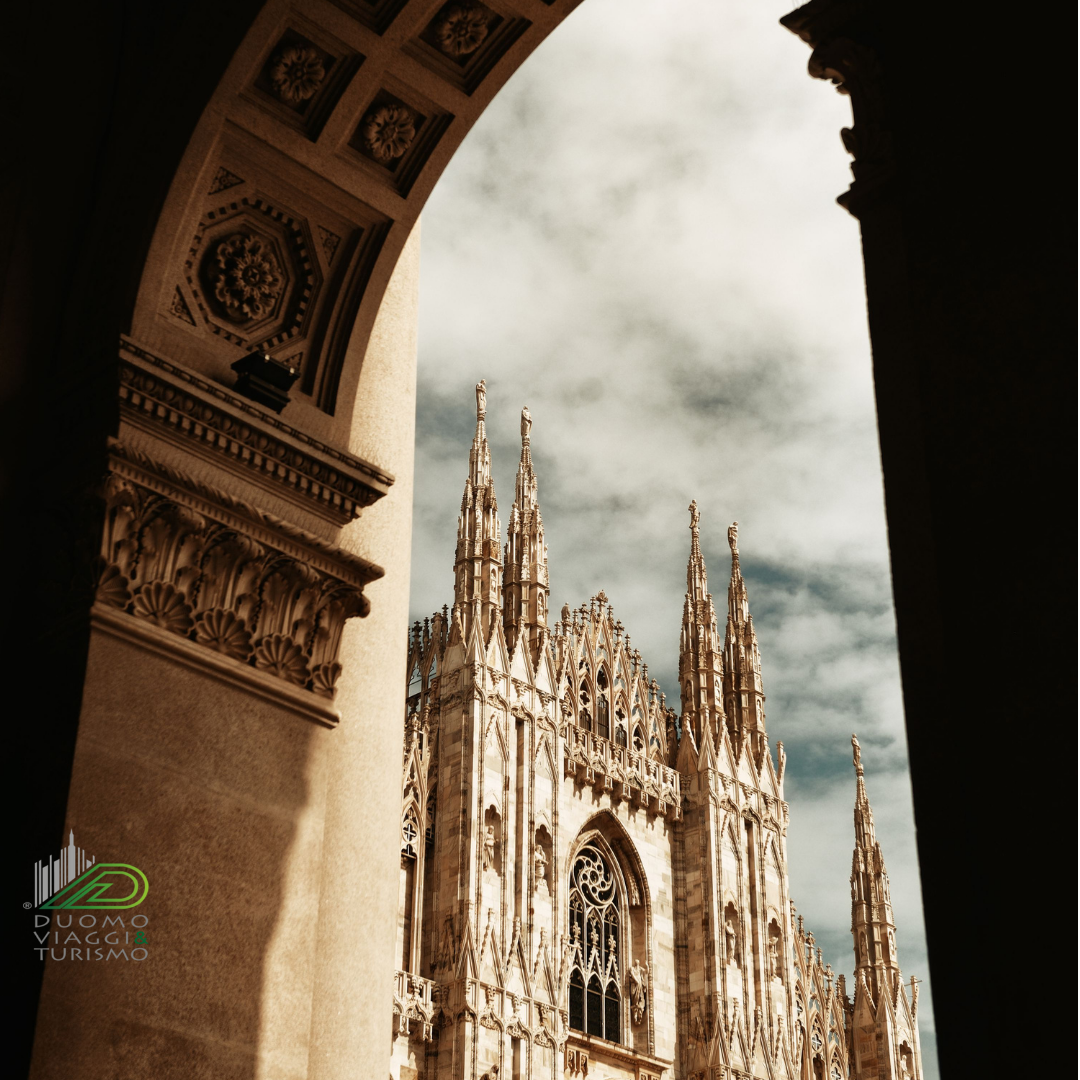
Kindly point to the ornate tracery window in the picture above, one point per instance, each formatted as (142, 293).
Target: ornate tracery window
(410, 833)
(595, 998)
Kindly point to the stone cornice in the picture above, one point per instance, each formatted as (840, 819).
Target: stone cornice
(601, 1049)
(292, 540)
(821, 20)
(168, 400)
(835, 30)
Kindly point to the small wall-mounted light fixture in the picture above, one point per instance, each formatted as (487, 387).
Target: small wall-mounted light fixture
(264, 379)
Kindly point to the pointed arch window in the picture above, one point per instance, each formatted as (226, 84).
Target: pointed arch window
(410, 833)
(603, 705)
(620, 726)
(595, 933)
(410, 830)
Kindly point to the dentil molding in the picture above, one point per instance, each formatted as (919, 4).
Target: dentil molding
(170, 401)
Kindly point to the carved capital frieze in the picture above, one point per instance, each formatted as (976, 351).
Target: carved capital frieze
(224, 575)
(856, 71)
(832, 28)
(173, 403)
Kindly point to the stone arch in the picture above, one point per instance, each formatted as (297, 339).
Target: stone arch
(81, 199)
(320, 192)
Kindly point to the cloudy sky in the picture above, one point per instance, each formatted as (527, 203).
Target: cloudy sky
(639, 240)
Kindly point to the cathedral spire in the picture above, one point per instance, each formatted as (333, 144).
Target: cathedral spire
(872, 923)
(743, 695)
(477, 562)
(525, 599)
(883, 1005)
(701, 669)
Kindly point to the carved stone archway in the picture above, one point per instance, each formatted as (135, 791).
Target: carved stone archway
(123, 120)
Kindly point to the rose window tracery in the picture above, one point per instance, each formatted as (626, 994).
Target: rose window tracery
(595, 998)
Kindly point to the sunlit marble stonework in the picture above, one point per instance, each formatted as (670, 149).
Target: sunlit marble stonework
(593, 884)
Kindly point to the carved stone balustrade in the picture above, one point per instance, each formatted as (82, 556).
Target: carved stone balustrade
(624, 773)
(414, 1006)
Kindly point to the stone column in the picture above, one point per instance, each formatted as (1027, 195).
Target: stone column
(354, 962)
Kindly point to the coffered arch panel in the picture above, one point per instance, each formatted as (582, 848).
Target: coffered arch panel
(304, 177)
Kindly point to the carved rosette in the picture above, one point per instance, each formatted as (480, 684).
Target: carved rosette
(389, 131)
(200, 564)
(247, 277)
(460, 29)
(296, 73)
(252, 274)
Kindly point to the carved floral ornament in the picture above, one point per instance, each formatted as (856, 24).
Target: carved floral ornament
(461, 29)
(296, 73)
(196, 571)
(248, 280)
(389, 131)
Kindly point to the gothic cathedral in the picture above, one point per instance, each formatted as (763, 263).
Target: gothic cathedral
(593, 884)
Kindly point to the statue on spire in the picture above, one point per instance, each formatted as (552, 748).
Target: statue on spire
(695, 515)
(857, 754)
(733, 538)
(481, 400)
(526, 423)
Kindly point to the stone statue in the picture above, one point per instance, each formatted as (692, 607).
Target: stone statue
(733, 537)
(729, 940)
(526, 423)
(566, 613)
(695, 515)
(481, 400)
(774, 957)
(638, 993)
(489, 847)
(540, 864)
(856, 751)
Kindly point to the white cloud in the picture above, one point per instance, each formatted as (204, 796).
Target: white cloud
(639, 240)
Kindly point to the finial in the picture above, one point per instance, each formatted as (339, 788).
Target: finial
(481, 400)
(695, 515)
(526, 423)
(857, 754)
(733, 538)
